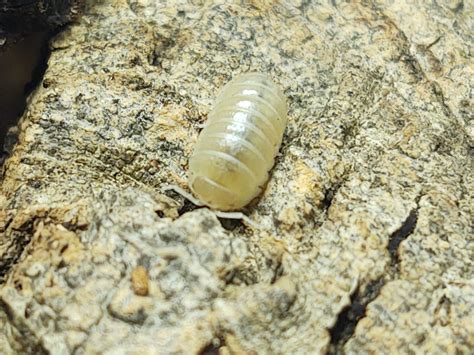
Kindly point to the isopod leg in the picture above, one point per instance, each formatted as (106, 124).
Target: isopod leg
(220, 214)
(185, 194)
(237, 215)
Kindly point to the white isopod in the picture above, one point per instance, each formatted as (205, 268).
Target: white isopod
(237, 147)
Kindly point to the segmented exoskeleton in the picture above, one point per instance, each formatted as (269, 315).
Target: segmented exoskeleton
(236, 149)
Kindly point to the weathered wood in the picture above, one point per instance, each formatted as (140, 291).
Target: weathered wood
(366, 242)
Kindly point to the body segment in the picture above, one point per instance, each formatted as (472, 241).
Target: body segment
(236, 149)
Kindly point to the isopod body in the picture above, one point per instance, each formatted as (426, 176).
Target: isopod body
(236, 149)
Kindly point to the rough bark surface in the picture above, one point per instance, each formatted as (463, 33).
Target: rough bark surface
(365, 241)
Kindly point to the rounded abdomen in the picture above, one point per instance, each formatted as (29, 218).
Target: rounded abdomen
(236, 149)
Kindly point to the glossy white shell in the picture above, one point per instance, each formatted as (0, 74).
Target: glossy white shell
(236, 149)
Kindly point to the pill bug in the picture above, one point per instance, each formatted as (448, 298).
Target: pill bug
(236, 149)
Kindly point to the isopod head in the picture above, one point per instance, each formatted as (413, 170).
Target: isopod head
(237, 147)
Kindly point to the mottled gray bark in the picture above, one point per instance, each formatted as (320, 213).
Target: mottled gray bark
(366, 240)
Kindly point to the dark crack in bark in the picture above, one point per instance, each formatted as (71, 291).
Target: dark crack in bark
(349, 317)
(400, 235)
(212, 348)
(347, 320)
